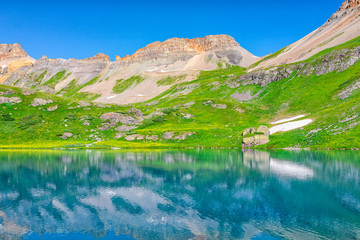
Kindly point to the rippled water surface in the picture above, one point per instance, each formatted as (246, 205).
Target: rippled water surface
(190, 194)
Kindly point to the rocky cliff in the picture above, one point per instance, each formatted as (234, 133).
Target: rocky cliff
(11, 51)
(183, 49)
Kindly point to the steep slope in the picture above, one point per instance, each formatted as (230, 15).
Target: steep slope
(341, 27)
(97, 77)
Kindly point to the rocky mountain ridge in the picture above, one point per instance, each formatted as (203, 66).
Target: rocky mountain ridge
(183, 49)
(171, 58)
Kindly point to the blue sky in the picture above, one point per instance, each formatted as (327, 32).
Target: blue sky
(80, 29)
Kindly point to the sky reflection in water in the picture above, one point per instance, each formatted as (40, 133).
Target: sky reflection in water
(190, 194)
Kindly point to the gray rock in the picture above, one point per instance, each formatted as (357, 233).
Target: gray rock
(136, 112)
(125, 128)
(168, 135)
(84, 104)
(152, 137)
(40, 102)
(249, 131)
(104, 127)
(28, 92)
(255, 140)
(115, 118)
(183, 136)
(134, 137)
(188, 116)
(86, 123)
(119, 135)
(264, 130)
(208, 102)
(53, 108)
(66, 135)
(219, 106)
(10, 100)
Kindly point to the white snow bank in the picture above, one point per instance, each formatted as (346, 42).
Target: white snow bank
(152, 69)
(288, 119)
(110, 97)
(290, 126)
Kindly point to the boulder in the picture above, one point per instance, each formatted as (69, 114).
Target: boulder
(264, 130)
(66, 135)
(134, 137)
(104, 127)
(40, 102)
(136, 112)
(119, 135)
(188, 116)
(152, 137)
(168, 135)
(115, 118)
(125, 128)
(84, 104)
(183, 136)
(10, 100)
(208, 102)
(219, 106)
(28, 92)
(86, 123)
(249, 131)
(53, 108)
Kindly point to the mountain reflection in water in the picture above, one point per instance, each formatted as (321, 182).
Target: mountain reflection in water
(188, 194)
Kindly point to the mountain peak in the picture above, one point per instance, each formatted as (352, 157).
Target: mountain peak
(349, 4)
(183, 47)
(11, 51)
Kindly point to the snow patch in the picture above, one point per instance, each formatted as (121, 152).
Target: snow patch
(290, 126)
(152, 69)
(288, 119)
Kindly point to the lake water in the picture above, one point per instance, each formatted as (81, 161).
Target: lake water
(173, 194)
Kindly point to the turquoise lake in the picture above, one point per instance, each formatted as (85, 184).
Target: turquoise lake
(179, 194)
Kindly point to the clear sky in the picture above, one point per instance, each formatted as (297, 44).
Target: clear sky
(80, 29)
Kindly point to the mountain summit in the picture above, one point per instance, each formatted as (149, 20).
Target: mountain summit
(183, 49)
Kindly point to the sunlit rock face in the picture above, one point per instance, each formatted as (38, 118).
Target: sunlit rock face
(11, 51)
(182, 49)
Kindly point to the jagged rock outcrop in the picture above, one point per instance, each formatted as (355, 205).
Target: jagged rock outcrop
(12, 51)
(183, 49)
(254, 137)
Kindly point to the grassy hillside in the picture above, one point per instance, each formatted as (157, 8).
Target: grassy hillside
(203, 107)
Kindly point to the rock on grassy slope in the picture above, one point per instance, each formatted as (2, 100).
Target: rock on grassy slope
(177, 58)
